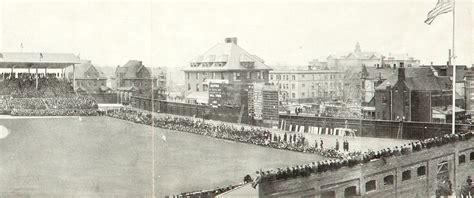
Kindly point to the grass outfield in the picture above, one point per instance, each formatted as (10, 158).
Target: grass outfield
(104, 157)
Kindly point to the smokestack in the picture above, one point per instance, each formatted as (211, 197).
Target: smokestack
(231, 40)
(401, 73)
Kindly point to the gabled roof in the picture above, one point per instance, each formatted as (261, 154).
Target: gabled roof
(229, 53)
(363, 55)
(131, 69)
(418, 79)
(83, 68)
(42, 60)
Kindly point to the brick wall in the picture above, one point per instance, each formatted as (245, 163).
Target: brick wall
(337, 183)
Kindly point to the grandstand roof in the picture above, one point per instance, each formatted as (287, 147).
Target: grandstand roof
(40, 60)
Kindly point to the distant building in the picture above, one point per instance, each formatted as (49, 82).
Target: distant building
(89, 78)
(469, 92)
(161, 86)
(357, 58)
(372, 77)
(263, 103)
(414, 94)
(301, 86)
(225, 61)
(134, 76)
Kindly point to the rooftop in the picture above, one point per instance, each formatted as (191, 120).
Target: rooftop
(227, 56)
(40, 60)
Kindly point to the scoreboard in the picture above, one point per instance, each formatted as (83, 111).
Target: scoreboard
(216, 92)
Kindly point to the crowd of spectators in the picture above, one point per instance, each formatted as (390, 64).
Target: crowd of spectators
(23, 85)
(252, 135)
(53, 97)
(54, 112)
(354, 159)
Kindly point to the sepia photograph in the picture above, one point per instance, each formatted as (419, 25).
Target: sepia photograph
(236, 98)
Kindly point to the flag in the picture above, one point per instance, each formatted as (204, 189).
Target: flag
(443, 6)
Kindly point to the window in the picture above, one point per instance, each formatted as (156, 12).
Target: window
(259, 75)
(271, 77)
(388, 180)
(222, 75)
(471, 156)
(189, 87)
(292, 86)
(293, 95)
(236, 75)
(420, 171)
(406, 175)
(204, 87)
(197, 75)
(249, 75)
(197, 87)
(462, 159)
(302, 94)
(293, 77)
(187, 75)
(370, 186)
(213, 75)
(278, 77)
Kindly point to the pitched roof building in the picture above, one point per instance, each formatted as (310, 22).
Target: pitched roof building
(358, 58)
(89, 78)
(413, 94)
(134, 76)
(224, 61)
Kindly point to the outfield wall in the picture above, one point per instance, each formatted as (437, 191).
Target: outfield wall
(368, 128)
(351, 182)
(224, 113)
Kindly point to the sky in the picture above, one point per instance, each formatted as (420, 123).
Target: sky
(282, 32)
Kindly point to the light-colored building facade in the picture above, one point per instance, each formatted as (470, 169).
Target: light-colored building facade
(225, 61)
(299, 86)
(357, 58)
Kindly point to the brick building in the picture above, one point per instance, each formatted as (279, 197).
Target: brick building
(89, 78)
(134, 76)
(413, 94)
(225, 61)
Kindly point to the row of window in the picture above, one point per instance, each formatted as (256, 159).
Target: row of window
(302, 76)
(330, 85)
(389, 180)
(212, 75)
(208, 64)
(303, 94)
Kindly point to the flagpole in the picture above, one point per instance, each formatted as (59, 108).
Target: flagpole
(453, 58)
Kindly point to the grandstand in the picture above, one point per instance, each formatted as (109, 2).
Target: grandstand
(35, 94)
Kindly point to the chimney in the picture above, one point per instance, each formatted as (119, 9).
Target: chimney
(401, 73)
(231, 40)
